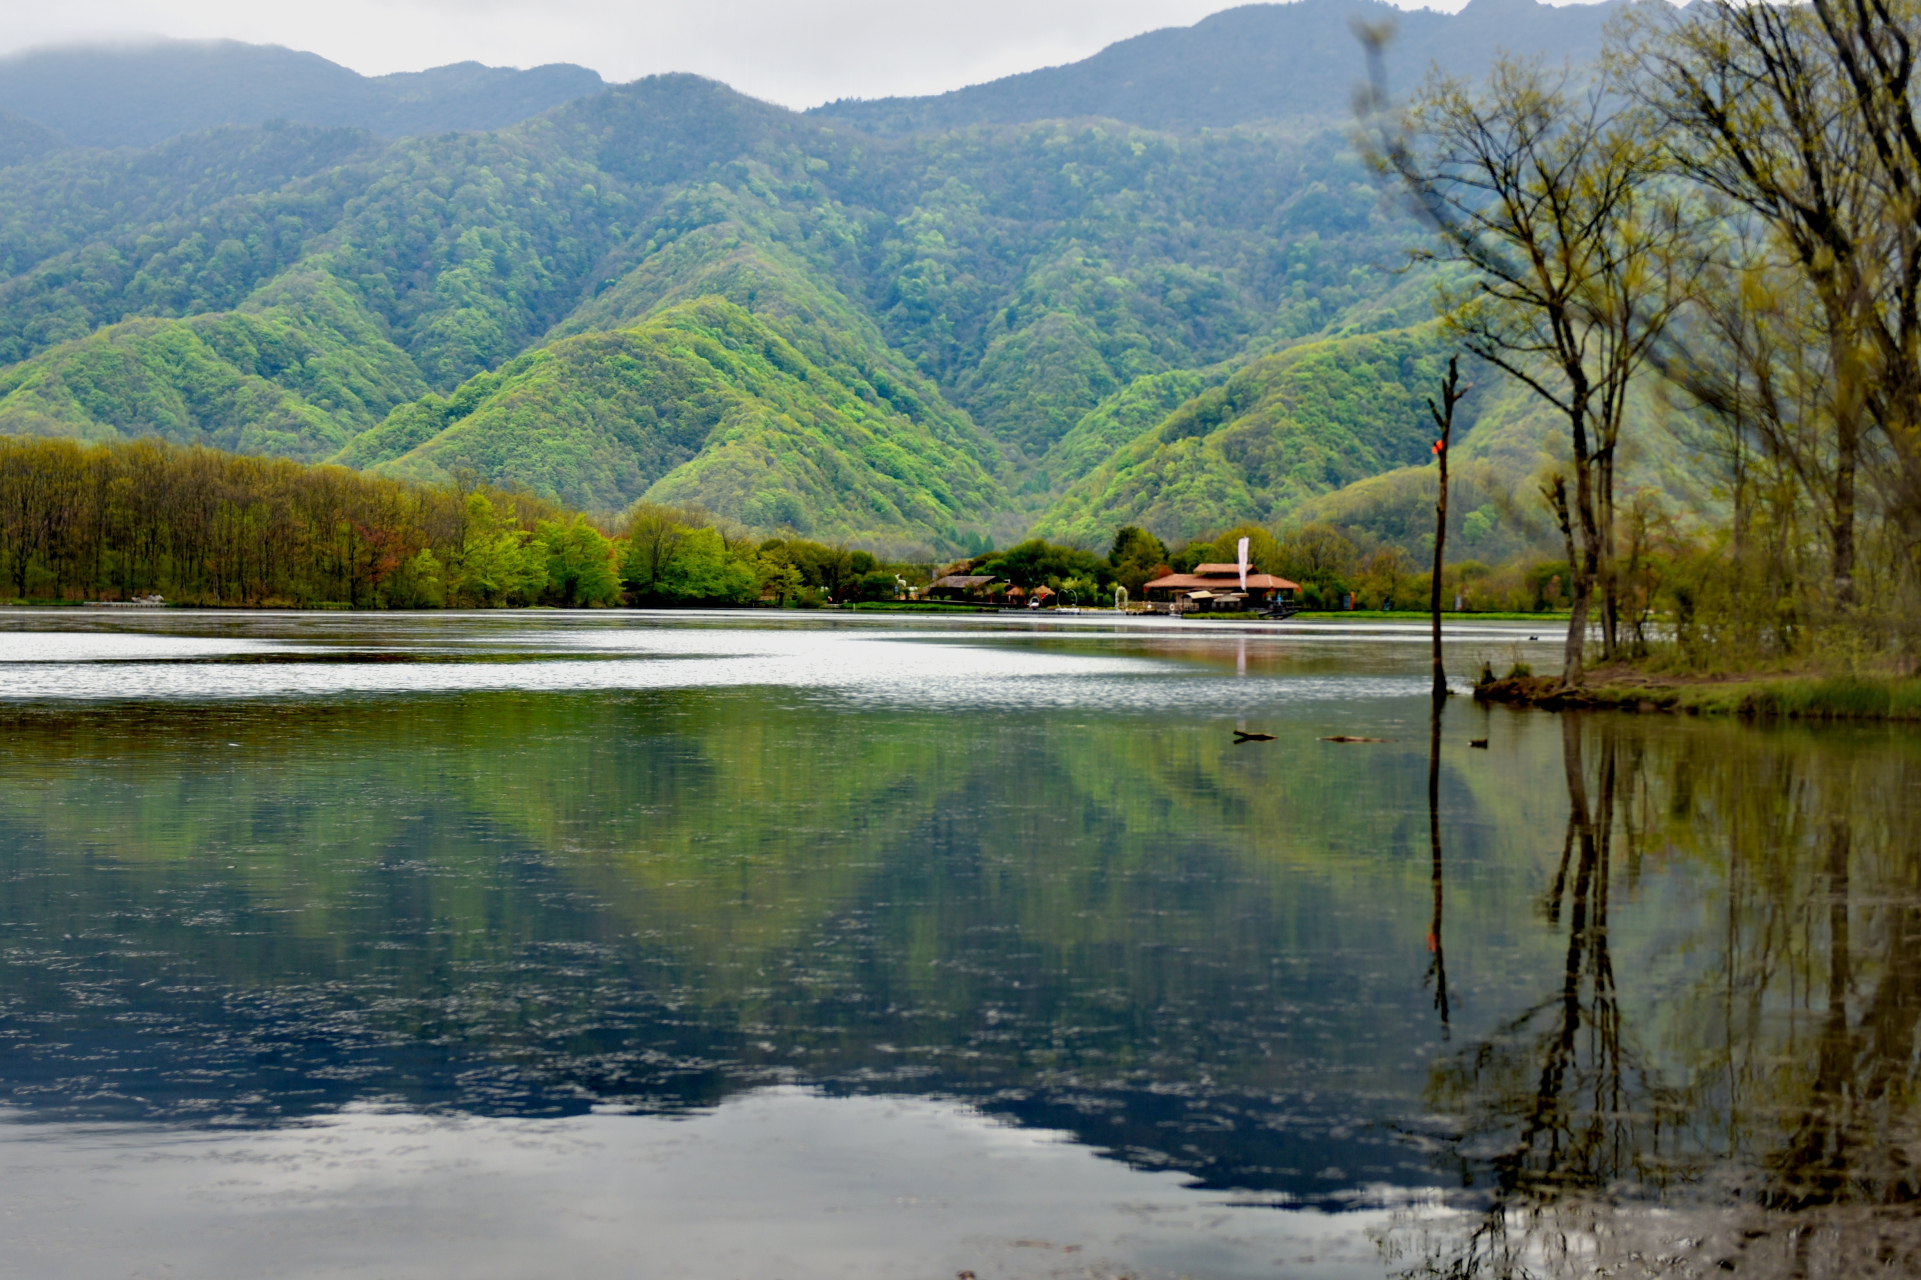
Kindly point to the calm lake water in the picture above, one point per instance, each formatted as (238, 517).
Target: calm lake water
(537, 944)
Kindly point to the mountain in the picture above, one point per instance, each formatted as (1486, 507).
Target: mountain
(22, 139)
(1282, 429)
(1258, 62)
(136, 95)
(670, 291)
(701, 404)
(296, 371)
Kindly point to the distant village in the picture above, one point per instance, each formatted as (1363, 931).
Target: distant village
(1209, 588)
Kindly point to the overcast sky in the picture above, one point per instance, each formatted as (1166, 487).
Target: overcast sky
(795, 52)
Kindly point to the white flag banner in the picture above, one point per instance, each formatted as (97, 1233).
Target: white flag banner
(1242, 565)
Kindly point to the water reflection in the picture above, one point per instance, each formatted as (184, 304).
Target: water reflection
(779, 1182)
(1615, 988)
(1763, 1094)
(533, 905)
(1436, 937)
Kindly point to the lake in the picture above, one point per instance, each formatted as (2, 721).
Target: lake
(783, 945)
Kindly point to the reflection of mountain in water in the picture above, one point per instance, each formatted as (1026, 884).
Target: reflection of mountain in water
(1186, 955)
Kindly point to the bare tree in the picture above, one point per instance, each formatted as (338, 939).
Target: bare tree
(1538, 186)
(1804, 119)
(1452, 392)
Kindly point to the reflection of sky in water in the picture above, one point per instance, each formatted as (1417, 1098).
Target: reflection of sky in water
(281, 929)
(106, 646)
(777, 1183)
(945, 668)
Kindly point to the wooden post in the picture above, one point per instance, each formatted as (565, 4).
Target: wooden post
(1451, 394)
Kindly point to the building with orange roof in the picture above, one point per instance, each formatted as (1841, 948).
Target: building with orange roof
(1217, 588)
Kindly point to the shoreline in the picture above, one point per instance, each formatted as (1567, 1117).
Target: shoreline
(1748, 697)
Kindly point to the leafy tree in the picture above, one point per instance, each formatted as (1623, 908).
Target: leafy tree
(778, 578)
(1136, 557)
(417, 584)
(495, 563)
(707, 570)
(579, 562)
(1386, 580)
(1320, 558)
(877, 584)
(1037, 563)
(652, 538)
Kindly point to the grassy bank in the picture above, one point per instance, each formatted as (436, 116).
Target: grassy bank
(1751, 697)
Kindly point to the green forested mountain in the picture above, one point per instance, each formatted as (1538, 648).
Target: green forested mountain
(702, 404)
(672, 291)
(295, 372)
(135, 95)
(1282, 429)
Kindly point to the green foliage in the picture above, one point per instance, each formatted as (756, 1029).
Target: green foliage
(292, 374)
(1320, 559)
(203, 527)
(707, 569)
(417, 584)
(494, 563)
(1022, 275)
(702, 404)
(671, 291)
(89, 239)
(877, 584)
(812, 564)
(1263, 552)
(579, 562)
(1285, 428)
(22, 140)
(1037, 563)
(1136, 558)
(1116, 421)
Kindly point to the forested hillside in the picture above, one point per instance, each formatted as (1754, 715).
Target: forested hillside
(669, 290)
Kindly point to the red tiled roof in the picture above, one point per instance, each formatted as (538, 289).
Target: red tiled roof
(1197, 582)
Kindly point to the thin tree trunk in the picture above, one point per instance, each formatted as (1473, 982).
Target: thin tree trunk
(1451, 393)
(1847, 447)
(1571, 657)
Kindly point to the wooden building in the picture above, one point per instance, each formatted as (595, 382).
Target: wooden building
(1216, 588)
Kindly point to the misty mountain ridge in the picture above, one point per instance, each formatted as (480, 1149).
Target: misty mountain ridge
(137, 95)
(1255, 63)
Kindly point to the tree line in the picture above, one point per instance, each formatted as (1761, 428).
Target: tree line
(199, 526)
(1725, 217)
(204, 527)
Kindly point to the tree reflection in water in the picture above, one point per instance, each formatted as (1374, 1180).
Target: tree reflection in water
(1436, 940)
(1758, 1119)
